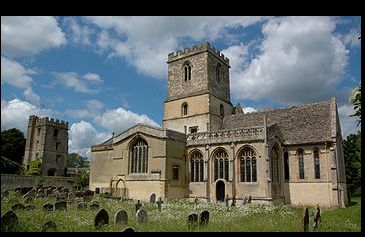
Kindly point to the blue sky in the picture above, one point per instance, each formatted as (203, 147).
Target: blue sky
(105, 74)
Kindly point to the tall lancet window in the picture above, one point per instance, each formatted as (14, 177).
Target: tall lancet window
(187, 71)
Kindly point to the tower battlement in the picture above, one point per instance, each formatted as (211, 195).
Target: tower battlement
(197, 49)
(46, 121)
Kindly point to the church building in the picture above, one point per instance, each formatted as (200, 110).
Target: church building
(210, 149)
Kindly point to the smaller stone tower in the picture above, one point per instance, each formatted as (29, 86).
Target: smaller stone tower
(47, 139)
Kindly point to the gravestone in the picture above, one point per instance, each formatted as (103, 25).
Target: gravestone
(196, 201)
(159, 203)
(61, 205)
(227, 201)
(101, 218)
(48, 207)
(244, 201)
(316, 217)
(29, 207)
(97, 190)
(141, 216)
(128, 229)
(204, 218)
(153, 198)
(28, 199)
(71, 196)
(233, 202)
(192, 221)
(18, 206)
(121, 217)
(305, 220)
(94, 205)
(138, 205)
(49, 226)
(8, 220)
(81, 206)
(249, 199)
(39, 195)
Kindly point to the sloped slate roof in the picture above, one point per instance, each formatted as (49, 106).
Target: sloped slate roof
(301, 124)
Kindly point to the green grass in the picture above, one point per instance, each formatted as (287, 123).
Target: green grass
(173, 217)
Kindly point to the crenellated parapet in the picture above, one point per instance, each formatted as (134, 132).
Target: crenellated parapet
(197, 49)
(46, 121)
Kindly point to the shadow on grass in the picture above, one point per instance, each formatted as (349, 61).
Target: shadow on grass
(352, 203)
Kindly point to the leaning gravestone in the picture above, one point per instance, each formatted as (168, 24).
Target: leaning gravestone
(317, 217)
(159, 203)
(192, 220)
(17, 206)
(61, 205)
(305, 220)
(49, 226)
(121, 217)
(101, 218)
(48, 207)
(128, 229)
(8, 220)
(138, 205)
(141, 216)
(204, 218)
(153, 198)
(249, 199)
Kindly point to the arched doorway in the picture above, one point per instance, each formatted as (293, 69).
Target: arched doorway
(52, 172)
(220, 191)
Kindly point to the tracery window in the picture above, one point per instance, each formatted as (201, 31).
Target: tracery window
(197, 167)
(248, 165)
(221, 165)
(139, 157)
(187, 71)
(317, 170)
(301, 164)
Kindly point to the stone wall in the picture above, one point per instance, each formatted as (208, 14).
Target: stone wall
(13, 180)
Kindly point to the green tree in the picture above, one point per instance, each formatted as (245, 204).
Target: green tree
(355, 99)
(352, 156)
(33, 167)
(13, 145)
(9, 167)
(82, 178)
(75, 160)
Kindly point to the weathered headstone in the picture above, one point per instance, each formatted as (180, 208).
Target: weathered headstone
(233, 204)
(204, 218)
(316, 217)
(244, 201)
(94, 205)
(81, 206)
(8, 220)
(141, 216)
(61, 205)
(97, 190)
(121, 217)
(227, 201)
(196, 201)
(249, 199)
(49, 226)
(17, 206)
(48, 207)
(101, 218)
(29, 207)
(305, 220)
(153, 198)
(138, 205)
(159, 203)
(128, 229)
(192, 220)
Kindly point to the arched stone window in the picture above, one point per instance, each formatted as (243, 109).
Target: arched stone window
(301, 163)
(221, 165)
(187, 71)
(274, 161)
(139, 156)
(248, 165)
(197, 167)
(317, 170)
(184, 109)
(218, 73)
(286, 166)
(221, 110)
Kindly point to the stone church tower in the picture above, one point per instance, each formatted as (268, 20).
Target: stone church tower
(198, 90)
(47, 139)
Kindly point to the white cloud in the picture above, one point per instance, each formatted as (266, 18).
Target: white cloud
(28, 35)
(15, 114)
(92, 110)
(79, 34)
(348, 124)
(82, 136)
(15, 74)
(94, 104)
(140, 39)
(72, 80)
(299, 61)
(248, 110)
(32, 96)
(118, 120)
(93, 78)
